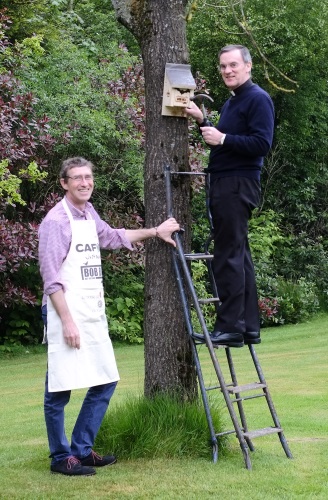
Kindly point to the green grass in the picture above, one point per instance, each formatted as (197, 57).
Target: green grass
(161, 427)
(295, 362)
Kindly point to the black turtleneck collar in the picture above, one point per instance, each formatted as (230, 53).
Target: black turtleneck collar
(245, 85)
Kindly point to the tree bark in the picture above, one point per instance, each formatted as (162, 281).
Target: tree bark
(160, 28)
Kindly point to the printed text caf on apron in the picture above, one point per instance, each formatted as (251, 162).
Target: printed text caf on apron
(94, 363)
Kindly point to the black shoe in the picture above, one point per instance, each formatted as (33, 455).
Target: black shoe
(71, 466)
(198, 336)
(96, 460)
(252, 338)
(228, 339)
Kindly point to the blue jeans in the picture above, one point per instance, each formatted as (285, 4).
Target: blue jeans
(87, 424)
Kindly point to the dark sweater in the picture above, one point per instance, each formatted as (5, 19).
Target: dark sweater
(247, 119)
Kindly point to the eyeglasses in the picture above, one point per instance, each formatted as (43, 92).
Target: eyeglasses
(223, 67)
(233, 65)
(80, 178)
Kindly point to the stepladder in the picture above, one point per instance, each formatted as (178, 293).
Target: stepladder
(235, 392)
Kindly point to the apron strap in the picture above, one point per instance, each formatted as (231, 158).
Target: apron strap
(67, 210)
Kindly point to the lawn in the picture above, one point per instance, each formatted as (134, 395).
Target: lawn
(294, 360)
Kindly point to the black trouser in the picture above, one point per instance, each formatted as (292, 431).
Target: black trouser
(232, 200)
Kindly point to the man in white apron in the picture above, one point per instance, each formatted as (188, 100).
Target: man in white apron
(80, 353)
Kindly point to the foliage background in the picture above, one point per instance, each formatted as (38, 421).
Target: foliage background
(71, 83)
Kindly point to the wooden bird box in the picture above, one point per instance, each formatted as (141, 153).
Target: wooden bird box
(179, 86)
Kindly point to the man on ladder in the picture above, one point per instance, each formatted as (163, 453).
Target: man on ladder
(239, 143)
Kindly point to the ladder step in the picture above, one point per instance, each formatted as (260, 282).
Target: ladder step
(262, 432)
(189, 173)
(246, 387)
(209, 300)
(198, 256)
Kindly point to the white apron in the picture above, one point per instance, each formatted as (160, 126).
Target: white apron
(94, 363)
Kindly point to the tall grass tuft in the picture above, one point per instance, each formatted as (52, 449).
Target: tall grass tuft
(162, 427)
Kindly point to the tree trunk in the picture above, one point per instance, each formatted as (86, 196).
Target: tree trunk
(159, 26)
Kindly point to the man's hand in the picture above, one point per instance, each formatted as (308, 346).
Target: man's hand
(71, 334)
(165, 230)
(70, 331)
(211, 135)
(194, 111)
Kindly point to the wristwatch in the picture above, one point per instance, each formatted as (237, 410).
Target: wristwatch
(222, 139)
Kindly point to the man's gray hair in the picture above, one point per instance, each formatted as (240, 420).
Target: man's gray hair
(77, 161)
(245, 54)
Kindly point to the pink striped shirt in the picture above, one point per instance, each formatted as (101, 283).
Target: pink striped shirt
(55, 236)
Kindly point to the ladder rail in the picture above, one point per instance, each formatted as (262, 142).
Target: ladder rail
(182, 261)
(186, 311)
(269, 400)
(205, 400)
(238, 399)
